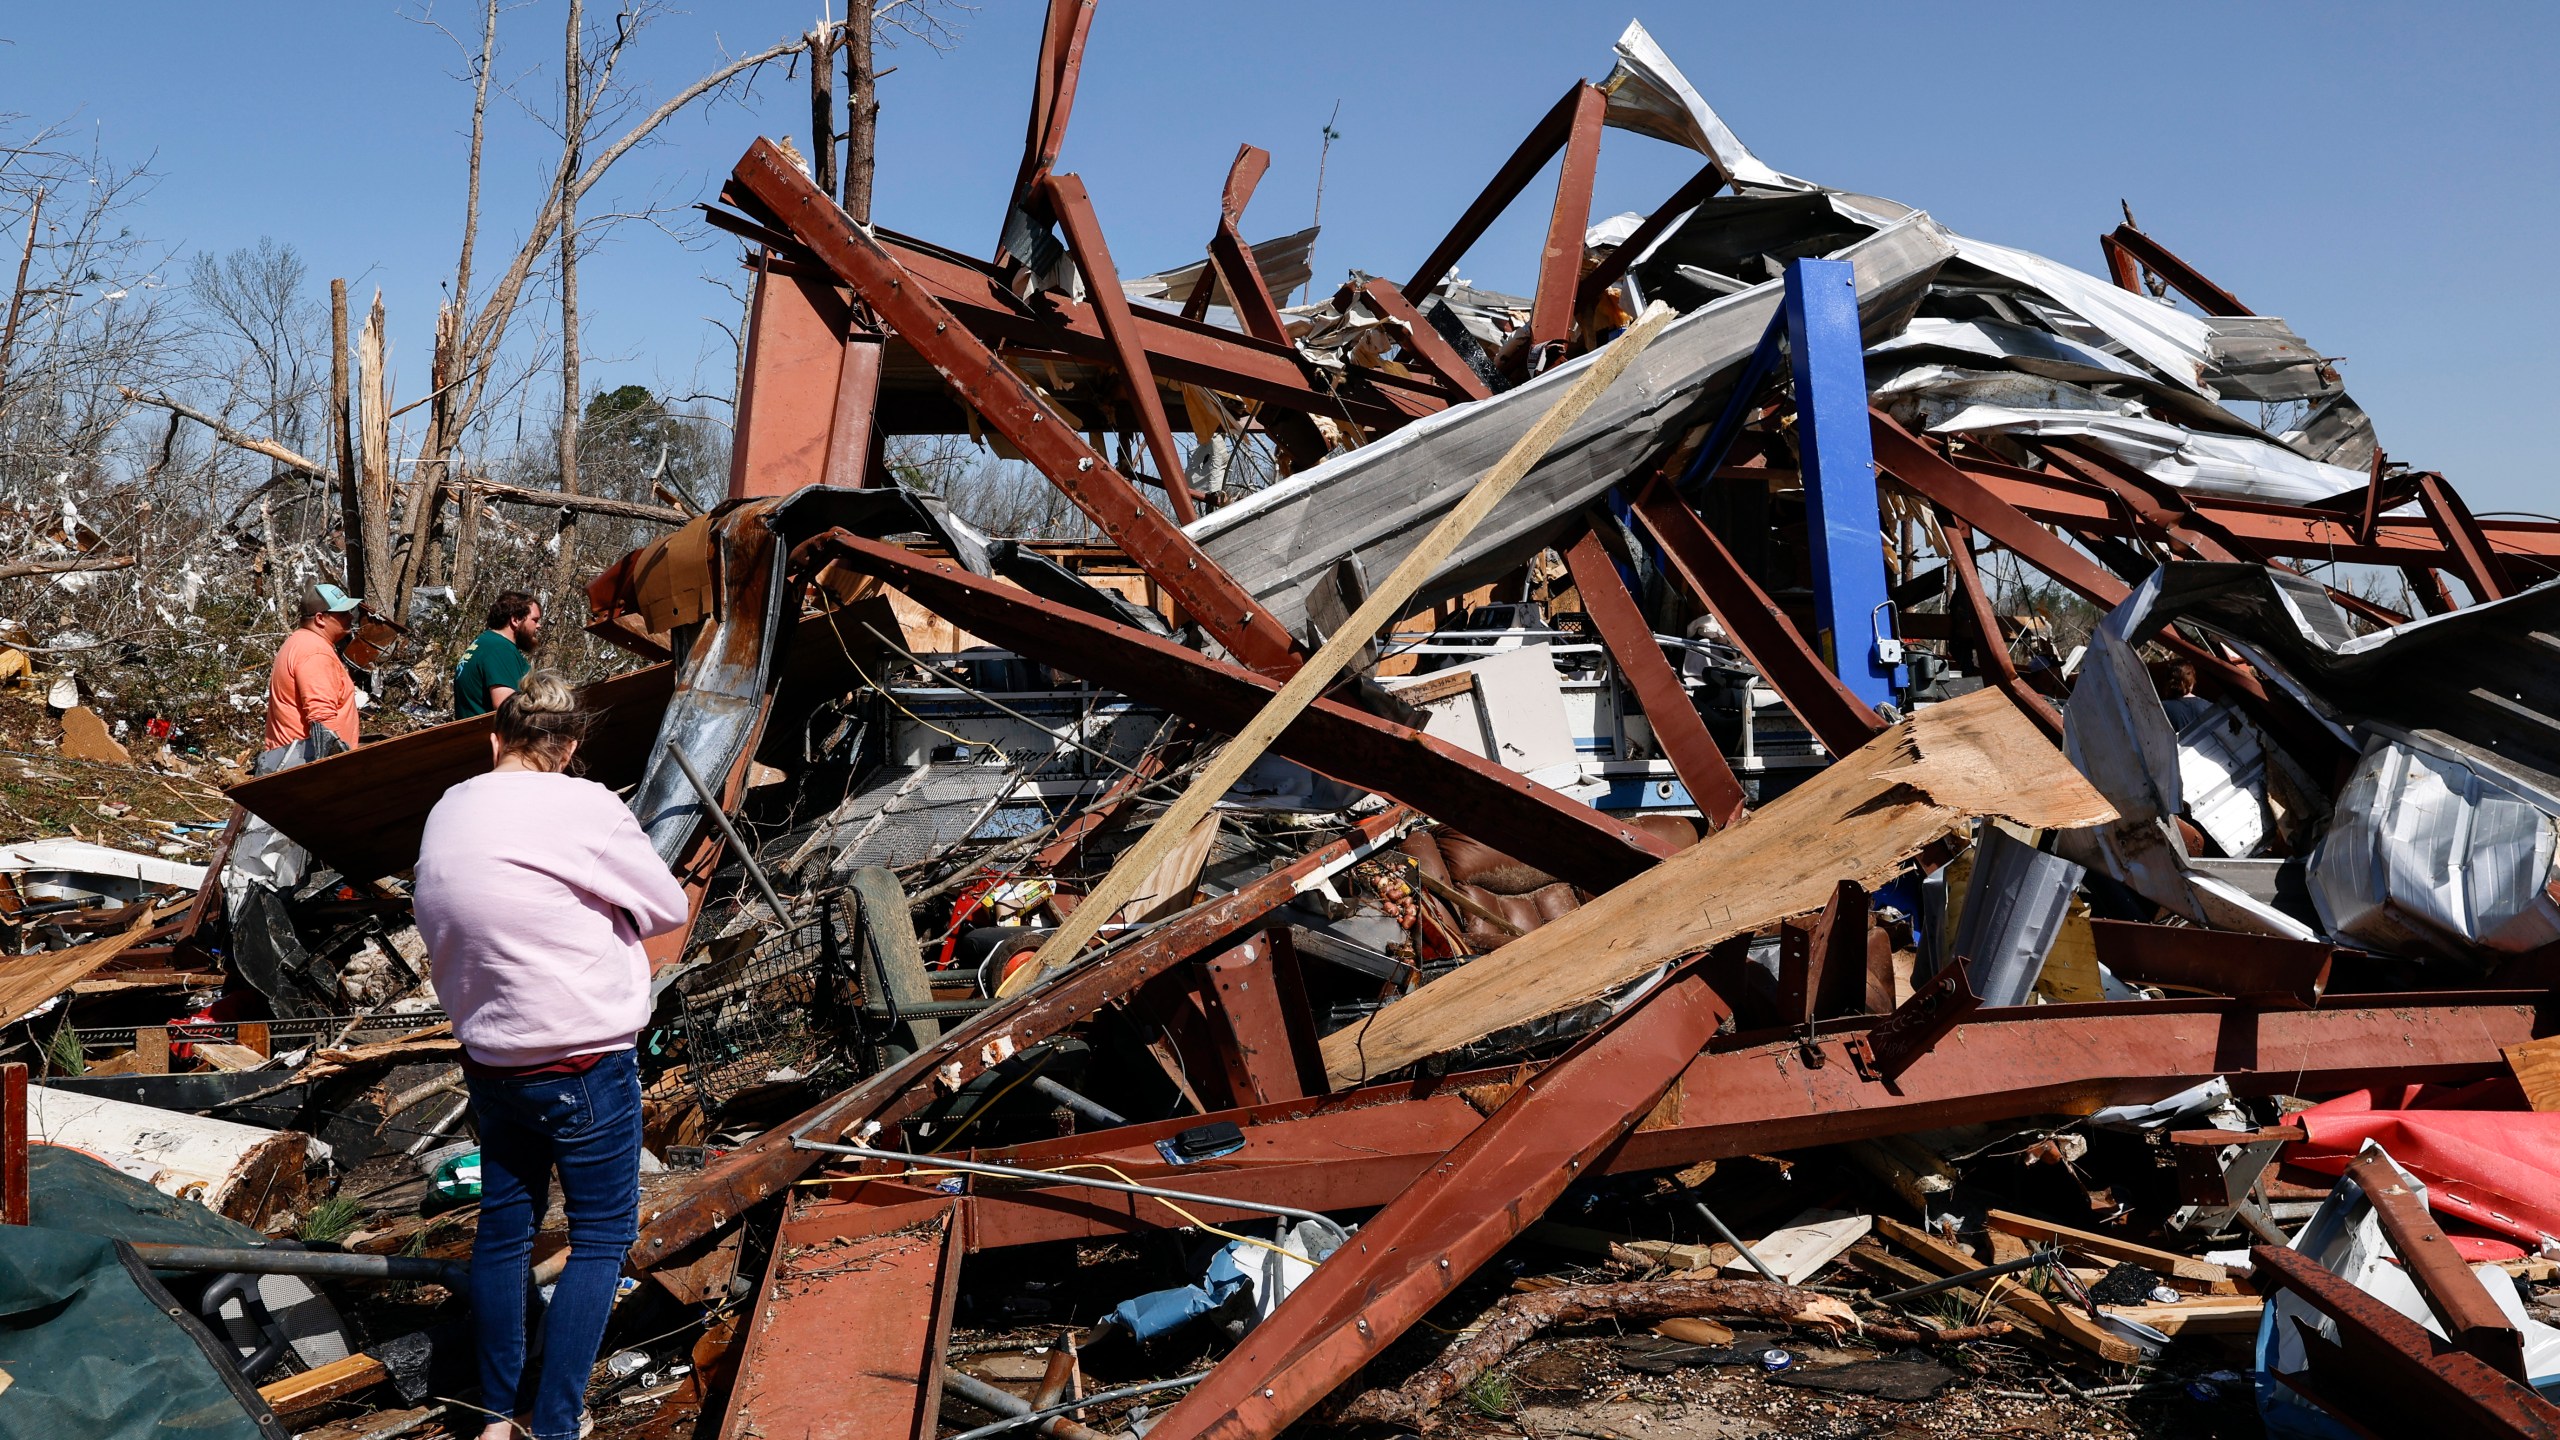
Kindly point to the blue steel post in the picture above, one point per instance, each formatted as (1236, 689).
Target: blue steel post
(1851, 608)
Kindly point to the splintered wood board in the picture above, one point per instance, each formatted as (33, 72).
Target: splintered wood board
(2537, 1067)
(1860, 820)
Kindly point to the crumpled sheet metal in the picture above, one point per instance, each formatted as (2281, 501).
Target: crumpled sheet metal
(2435, 848)
(2482, 675)
(1648, 95)
(2118, 735)
(2445, 837)
(729, 663)
(2238, 466)
(1378, 501)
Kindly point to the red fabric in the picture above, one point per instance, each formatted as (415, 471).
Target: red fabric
(2496, 1169)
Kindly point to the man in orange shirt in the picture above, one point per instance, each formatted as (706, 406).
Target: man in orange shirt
(309, 688)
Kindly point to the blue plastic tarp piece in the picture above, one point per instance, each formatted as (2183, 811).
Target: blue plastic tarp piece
(1161, 1312)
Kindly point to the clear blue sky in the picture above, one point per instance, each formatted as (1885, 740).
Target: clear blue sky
(2384, 177)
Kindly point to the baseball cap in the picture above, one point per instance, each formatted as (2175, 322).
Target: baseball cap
(334, 600)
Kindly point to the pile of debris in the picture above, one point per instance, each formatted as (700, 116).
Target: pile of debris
(1578, 905)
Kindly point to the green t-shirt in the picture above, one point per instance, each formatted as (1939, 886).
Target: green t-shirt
(493, 663)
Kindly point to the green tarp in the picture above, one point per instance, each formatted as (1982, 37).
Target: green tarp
(91, 1347)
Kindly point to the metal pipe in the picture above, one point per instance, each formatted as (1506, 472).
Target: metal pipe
(2006, 1267)
(325, 1264)
(1017, 1411)
(1717, 1223)
(1099, 1115)
(1035, 1417)
(737, 843)
(1048, 1177)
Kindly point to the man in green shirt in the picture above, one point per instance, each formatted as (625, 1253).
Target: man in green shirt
(496, 662)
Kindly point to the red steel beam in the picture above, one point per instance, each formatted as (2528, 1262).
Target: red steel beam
(1987, 632)
(1427, 344)
(1543, 141)
(1233, 259)
(1709, 179)
(2184, 278)
(1431, 1237)
(1244, 176)
(2295, 532)
(2120, 265)
(2385, 1374)
(1840, 720)
(1682, 736)
(2444, 1279)
(1187, 351)
(1242, 988)
(1551, 310)
(2167, 509)
(762, 1167)
(1564, 837)
(2476, 560)
(1074, 209)
(1754, 1094)
(986, 384)
(1936, 479)
(13, 1144)
(2269, 970)
(1053, 94)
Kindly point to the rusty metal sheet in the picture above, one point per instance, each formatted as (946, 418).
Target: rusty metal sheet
(850, 1325)
(1560, 836)
(361, 812)
(2266, 969)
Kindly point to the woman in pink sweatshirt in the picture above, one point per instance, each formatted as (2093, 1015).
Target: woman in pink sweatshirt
(534, 891)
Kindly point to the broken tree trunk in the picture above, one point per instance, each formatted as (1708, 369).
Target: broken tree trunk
(1860, 820)
(1520, 1317)
(342, 446)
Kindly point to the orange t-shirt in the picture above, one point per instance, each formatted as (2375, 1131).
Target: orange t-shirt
(307, 687)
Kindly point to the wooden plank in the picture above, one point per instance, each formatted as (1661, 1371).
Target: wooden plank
(2107, 1247)
(1805, 1244)
(27, 981)
(228, 1057)
(2205, 1315)
(317, 1387)
(1435, 687)
(151, 1049)
(1860, 820)
(2070, 1325)
(1900, 1274)
(2537, 1067)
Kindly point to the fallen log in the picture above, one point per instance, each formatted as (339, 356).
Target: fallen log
(506, 494)
(1643, 1302)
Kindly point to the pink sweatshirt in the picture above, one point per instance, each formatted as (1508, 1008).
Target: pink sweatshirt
(533, 894)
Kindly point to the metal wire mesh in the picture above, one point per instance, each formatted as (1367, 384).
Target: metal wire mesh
(780, 1010)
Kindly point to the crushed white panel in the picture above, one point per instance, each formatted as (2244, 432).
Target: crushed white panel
(2222, 774)
(2432, 848)
(1513, 715)
(2239, 466)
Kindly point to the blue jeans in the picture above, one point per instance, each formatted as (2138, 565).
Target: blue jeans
(589, 1127)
